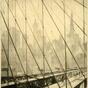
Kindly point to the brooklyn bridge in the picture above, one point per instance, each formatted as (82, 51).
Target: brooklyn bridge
(43, 43)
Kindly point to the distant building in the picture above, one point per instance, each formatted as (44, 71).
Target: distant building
(13, 59)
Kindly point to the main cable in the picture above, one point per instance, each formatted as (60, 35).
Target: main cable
(80, 3)
(43, 35)
(15, 48)
(33, 33)
(84, 31)
(80, 38)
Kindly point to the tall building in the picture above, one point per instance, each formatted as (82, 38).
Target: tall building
(75, 44)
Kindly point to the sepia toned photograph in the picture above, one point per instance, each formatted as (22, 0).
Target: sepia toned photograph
(43, 43)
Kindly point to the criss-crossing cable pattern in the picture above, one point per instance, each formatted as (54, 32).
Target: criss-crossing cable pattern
(25, 42)
(13, 42)
(7, 60)
(70, 17)
(44, 7)
(63, 39)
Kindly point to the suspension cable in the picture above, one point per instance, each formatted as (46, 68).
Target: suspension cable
(35, 58)
(12, 42)
(14, 45)
(26, 31)
(74, 59)
(58, 58)
(63, 39)
(32, 52)
(33, 33)
(8, 62)
(76, 14)
(70, 17)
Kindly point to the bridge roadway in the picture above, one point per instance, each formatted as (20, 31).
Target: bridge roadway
(48, 79)
(75, 81)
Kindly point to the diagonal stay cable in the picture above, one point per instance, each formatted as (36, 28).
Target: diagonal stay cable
(63, 39)
(13, 43)
(58, 29)
(69, 17)
(29, 25)
(80, 3)
(22, 34)
(32, 52)
(76, 14)
(84, 31)
(10, 65)
(33, 55)
(80, 38)
(11, 37)
(8, 61)
(43, 35)
(11, 40)
(31, 29)
(58, 59)
(44, 57)
(21, 10)
(8, 33)
(26, 43)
